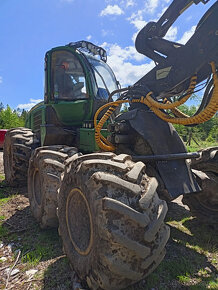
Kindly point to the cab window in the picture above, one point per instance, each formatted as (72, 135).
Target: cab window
(105, 79)
(67, 77)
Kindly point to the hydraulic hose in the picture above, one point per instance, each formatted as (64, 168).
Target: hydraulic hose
(102, 142)
(168, 105)
(206, 114)
(203, 116)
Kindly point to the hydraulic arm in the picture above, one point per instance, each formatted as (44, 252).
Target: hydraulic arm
(177, 63)
(150, 40)
(180, 70)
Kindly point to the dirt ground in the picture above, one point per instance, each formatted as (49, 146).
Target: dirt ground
(31, 258)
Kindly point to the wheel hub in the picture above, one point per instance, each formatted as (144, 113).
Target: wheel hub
(79, 221)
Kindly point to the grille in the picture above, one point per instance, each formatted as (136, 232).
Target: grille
(37, 120)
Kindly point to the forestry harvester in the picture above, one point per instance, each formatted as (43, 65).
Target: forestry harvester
(104, 175)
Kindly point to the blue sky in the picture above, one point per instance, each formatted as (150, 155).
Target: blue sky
(28, 28)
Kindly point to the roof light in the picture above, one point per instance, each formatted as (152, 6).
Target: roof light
(90, 48)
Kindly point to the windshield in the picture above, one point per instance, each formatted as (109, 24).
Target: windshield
(105, 79)
(68, 78)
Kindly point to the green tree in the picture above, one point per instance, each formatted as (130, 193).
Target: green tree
(10, 119)
(207, 131)
(213, 133)
(1, 106)
(23, 115)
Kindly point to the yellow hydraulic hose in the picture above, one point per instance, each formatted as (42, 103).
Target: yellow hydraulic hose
(179, 114)
(157, 108)
(202, 117)
(102, 142)
(173, 105)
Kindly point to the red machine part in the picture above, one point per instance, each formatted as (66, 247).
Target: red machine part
(2, 137)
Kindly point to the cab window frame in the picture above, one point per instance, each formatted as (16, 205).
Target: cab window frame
(72, 55)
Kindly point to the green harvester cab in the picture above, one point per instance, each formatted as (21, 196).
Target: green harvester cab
(77, 82)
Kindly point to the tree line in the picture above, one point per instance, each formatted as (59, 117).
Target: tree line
(11, 118)
(206, 132)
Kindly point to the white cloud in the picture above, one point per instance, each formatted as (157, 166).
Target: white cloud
(123, 3)
(119, 60)
(130, 3)
(137, 19)
(1, 80)
(187, 35)
(171, 34)
(111, 10)
(134, 37)
(88, 37)
(139, 24)
(151, 5)
(127, 53)
(126, 72)
(29, 105)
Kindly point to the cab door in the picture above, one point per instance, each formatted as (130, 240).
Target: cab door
(68, 93)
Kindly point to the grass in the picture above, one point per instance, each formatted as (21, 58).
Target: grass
(3, 231)
(191, 261)
(200, 243)
(186, 265)
(184, 278)
(5, 191)
(179, 272)
(213, 284)
(41, 246)
(2, 217)
(33, 257)
(2, 177)
(37, 245)
(4, 200)
(203, 144)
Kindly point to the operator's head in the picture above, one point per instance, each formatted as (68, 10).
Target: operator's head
(65, 65)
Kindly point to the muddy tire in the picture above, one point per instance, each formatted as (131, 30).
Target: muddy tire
(45, 167)
(208, 160)
(204, 204)
(18, 145)
(142, 147)
(111, 220)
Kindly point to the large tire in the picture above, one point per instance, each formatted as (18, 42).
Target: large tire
(204, 204)
(18, 145)
(45, 167)
(208, 160)
(111, 220)
(141, 147)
